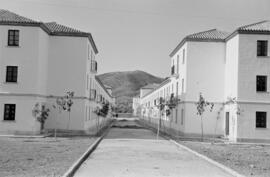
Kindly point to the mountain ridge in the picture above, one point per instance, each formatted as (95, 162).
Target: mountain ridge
(127, 84)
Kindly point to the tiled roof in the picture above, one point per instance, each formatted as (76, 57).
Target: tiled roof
(150, 86)
(166, 81)
(263, 26)
(208, 36)
(212, 34)
(57, 28)
(52, 28)
(7, 16)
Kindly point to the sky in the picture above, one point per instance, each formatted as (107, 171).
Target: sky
(140, 34)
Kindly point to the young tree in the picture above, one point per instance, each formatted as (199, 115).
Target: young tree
(69, 102)
(201, 105)
(161, 107)
(170, 105)
(41, 113)
(64, 104)
(60, 106)
(104, 112)
(97, 111)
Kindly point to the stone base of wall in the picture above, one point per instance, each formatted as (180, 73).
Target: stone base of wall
(175, 133)
(28, 133)
(246, 140)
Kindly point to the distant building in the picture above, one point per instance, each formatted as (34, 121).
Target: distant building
(40, 62)
(147, 88)
(136, 106)
(109, 89)
(222, 66)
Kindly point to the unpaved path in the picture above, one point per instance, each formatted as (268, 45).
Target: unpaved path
(136, 153)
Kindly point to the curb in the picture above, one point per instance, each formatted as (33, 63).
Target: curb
(71, 171)
(219, 165)
(26, 136)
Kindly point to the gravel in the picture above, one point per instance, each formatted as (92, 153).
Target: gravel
(247, 159)
(40, 157)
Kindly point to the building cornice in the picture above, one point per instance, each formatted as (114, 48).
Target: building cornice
(187, 39)
(47, 30)
(162, 84)
(101, 84)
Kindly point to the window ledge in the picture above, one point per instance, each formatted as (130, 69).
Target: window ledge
(263, 56)
(9, 121)
(10, 82)
(261, 128)
(13, 46)
(262, 92)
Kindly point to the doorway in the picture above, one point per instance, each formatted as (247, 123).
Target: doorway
(227, 124)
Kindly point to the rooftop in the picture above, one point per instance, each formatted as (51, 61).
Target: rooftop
(150, 86)
(52, 28)
(10, 17)
(57, 28)
(263, 26)
(212, 35)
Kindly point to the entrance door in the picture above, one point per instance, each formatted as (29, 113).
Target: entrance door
(227, 128)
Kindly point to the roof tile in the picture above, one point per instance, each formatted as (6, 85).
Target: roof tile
(212, 34)
(7, 16)
(57, 28)
(263, 26)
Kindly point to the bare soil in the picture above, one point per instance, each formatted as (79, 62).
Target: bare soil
(40, 157)
(247, 159)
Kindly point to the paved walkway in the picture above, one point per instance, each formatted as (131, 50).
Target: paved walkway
(123, 157)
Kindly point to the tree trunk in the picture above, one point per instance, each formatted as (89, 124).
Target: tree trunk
(202, 127)
(97, 125)
(55, 133)
(68, 120)
(41, 127)
(159, 121)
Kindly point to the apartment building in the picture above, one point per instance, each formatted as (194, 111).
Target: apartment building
(222, 66)
(40, 62)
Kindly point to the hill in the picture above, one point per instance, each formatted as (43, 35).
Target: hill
(127, 84)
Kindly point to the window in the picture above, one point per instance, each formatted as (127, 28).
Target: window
(176, 115)
(261, 83)
(89, 109)
(183, 85)
(262, 47)
(86, 113)
(182, 116)
(13, 37)
(12, 73)
(87, 82)
(183, 61)
(176, 88)
(177, 65)
(93, 94)
(260, 119)
(9, 111)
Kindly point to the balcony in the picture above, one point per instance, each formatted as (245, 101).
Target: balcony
(173, 70)
(93, 66)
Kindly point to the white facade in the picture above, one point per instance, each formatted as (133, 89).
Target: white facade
(241, 84)
(222, 66)
(49, 63)
(136, 106)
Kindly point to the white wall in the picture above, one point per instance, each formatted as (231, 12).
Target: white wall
(250, 101)
(26, 57)
(24, 122)
(205, 71)
(67, 65)
(250, 66)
